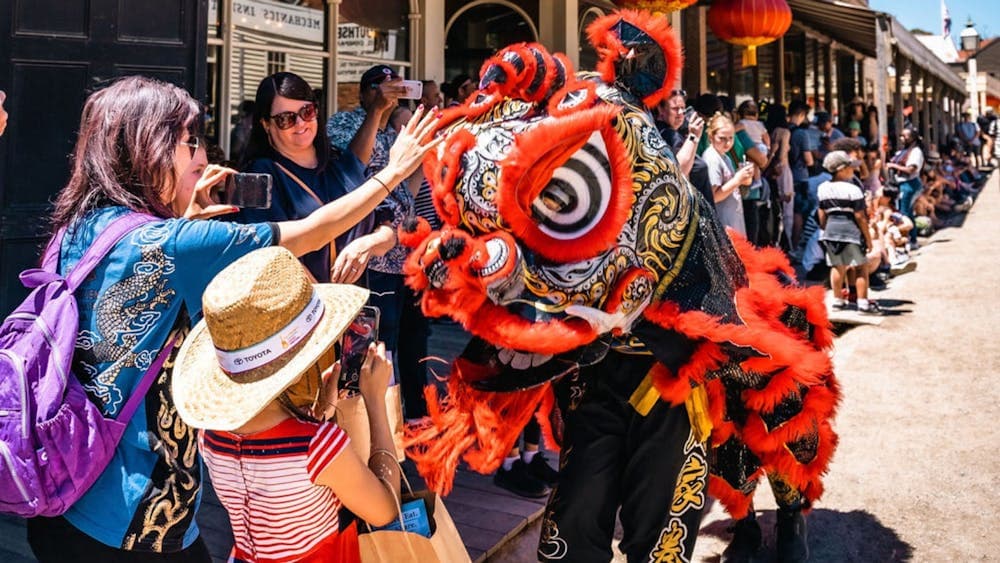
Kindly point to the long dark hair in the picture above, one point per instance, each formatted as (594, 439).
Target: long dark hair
(293, 87)
(124, 153)
(776, 117)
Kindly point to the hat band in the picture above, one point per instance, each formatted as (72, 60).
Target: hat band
(269, 350)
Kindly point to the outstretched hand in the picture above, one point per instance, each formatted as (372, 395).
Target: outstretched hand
(414, 141)
(202, 206)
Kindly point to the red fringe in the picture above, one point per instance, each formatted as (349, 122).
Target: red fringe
(737, 504)
(791, 359)
(476, 426)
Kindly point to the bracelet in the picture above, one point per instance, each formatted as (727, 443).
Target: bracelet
(692, 138)
(387, 190)
(381, 451)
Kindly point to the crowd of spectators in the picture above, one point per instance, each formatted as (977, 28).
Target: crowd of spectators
(765, 167)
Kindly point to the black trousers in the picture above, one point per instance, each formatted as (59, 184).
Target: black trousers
(614, 457)
(55, 540)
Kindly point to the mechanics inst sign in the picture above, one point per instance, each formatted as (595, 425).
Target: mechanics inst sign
(294, 22)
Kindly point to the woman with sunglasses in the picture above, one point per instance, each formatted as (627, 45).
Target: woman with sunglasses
(288, 142)
(137, 152)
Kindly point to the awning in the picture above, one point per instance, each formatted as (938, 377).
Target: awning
(920, 55)
(855, 27)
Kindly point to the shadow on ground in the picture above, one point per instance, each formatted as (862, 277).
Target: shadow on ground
(833, 537)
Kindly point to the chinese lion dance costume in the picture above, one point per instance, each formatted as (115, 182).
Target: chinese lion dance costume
(665, 359)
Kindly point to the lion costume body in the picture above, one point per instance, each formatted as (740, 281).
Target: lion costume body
(666, 359)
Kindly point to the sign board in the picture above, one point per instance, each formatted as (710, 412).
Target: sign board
(359, 41)
(286, 20)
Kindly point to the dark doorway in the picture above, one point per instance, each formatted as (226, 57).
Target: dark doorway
(57, 52)
(478, 33)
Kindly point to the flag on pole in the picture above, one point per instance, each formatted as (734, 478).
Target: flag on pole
(945, 20)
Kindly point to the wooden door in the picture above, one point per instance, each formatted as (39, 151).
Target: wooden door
(53, 54)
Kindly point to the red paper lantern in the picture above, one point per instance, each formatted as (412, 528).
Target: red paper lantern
(655, 6)
(750, 23)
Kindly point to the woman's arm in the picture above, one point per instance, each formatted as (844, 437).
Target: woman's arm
(353, 259)
(333, 219)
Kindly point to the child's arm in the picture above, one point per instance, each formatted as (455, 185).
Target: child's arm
(371, 491)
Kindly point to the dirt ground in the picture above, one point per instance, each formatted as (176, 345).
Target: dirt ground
(915, 475)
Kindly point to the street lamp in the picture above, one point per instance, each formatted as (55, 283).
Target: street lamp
(970, 44)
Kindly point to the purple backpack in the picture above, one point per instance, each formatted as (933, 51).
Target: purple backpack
(54, 442)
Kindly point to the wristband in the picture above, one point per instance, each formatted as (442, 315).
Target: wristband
(387, 190)
(692, 138)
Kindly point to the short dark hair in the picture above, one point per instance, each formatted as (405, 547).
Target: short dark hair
(798, 107)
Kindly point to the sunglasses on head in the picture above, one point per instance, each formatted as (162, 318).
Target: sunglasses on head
(287, 119)
(192, 143)
(681, 93)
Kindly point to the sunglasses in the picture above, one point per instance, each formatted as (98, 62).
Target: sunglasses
(287, 119)
(193, 143)
(681, 93)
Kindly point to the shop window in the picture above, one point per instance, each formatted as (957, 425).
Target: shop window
(275, 62)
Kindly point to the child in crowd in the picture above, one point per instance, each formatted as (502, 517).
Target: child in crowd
(846, 235)
(252, 374)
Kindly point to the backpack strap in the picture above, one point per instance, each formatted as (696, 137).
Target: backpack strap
(98, 249)
(139, 393)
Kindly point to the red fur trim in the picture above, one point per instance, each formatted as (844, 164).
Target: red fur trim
(610, 49)
(556, 107)
(544, 416)
(497, 325)
(736, 503)
(529, 166)
(476, 426)
(673, 389)
(412, 240)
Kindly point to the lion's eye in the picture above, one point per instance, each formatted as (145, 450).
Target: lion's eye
(577, 196)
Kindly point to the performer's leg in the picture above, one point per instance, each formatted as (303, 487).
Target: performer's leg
(580, 518)
(665, 486)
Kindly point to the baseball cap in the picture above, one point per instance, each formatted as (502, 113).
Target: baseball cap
(376, 74)
(854, 125)
(838, 160)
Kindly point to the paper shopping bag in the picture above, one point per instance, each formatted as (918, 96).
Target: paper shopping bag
(443, 546)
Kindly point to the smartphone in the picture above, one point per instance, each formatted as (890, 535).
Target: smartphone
(414, 90)
(354, 347)
(247, 191)
(688, 113)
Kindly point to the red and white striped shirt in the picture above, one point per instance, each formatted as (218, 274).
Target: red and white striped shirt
(267, 482)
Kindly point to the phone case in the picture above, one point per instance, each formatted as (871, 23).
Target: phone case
(248, 190)
(354, 347)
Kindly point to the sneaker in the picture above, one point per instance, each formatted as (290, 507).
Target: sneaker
(541, 470)
(871, 309)
(902, 268)
(520, 481)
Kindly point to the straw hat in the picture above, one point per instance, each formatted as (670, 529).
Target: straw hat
(264, 325)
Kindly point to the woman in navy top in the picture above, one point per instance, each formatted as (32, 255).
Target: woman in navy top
(287, 143)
